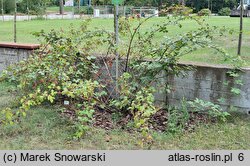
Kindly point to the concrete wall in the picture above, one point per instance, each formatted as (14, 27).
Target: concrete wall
(211, 83)
(205, 82)
(11, 53)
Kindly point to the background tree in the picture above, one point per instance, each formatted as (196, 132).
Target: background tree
(78, 5)
(61, 7)
(38, 6)
(2, 10)
(8, 6)
(34, 6)
(101, 2)
(215, 5)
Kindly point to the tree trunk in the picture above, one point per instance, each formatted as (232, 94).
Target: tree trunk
(61, 7)
(89, 5)
(79, 7)
(2, 10)
(116, 27)
(159, 5)
(15, 22)
(182, 2)
(241, 27)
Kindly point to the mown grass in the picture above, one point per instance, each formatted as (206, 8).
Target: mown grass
(55, 9)
(44, 128)
(228, 42)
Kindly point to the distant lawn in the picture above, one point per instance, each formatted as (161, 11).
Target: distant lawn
(55, 9)
(25, 29)
(44, 128)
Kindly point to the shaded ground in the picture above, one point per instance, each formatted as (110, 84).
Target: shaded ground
(44, 128)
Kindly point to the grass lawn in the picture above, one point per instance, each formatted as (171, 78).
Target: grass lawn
(44, 128)
(55, 9)
(25, 28)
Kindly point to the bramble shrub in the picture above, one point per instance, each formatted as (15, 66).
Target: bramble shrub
(212, 110)
(65, 70)
(138, 103)
(181, 118)
(178, 118)
(62, 70)
(6, 116)
(147, 61)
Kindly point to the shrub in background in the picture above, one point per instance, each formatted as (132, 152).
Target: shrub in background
(204, 12)
(177, 10)
(85, 10)
(224, 11)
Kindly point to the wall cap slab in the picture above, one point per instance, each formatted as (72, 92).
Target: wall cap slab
(20, 46)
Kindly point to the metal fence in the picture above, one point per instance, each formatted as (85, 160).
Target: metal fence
(108, 11)
(104, 11)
